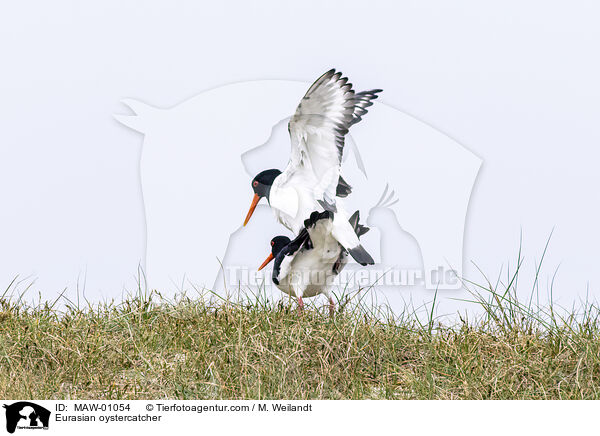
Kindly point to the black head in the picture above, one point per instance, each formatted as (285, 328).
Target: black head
(261, 184)
(278, 243)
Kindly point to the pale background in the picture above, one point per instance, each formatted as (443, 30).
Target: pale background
(516, 84)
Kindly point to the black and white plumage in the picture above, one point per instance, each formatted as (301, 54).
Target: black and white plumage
(312, 180)
(307, 265)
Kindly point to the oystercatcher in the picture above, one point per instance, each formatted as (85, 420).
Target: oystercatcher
(312, 181)
(307, 265)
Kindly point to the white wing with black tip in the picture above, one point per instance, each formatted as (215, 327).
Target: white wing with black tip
(317, 131)
(345, 232)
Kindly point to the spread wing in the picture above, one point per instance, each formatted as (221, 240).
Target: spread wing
(317, 131)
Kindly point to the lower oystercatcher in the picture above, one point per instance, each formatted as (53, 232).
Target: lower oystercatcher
(307, 265)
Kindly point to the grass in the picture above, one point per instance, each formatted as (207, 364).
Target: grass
(147, 347)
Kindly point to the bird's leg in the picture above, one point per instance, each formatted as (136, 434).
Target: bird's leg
(300, 305)
(331, 307)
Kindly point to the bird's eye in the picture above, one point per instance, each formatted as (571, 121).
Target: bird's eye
(272, 243)
(255, 183)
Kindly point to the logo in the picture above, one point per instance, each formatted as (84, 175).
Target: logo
(26, 415)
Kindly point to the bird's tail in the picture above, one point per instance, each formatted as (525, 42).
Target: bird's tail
(361, 256)
(358, 253)
(359, 229)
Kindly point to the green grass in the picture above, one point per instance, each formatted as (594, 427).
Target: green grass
(149, 348)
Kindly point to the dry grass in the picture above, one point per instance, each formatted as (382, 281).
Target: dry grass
(145, 349)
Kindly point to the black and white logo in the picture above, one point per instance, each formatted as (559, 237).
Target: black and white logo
(26, 415)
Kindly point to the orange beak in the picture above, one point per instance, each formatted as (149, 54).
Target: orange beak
(266, 262)
(255, 201)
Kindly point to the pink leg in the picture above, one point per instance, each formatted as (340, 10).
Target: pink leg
(300, 305)
(331, 307)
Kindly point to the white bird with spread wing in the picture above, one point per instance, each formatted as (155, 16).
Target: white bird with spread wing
(312, 180)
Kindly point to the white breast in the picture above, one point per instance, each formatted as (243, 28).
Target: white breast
(292, 200)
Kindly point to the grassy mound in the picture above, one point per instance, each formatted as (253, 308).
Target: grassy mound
(145, 349)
